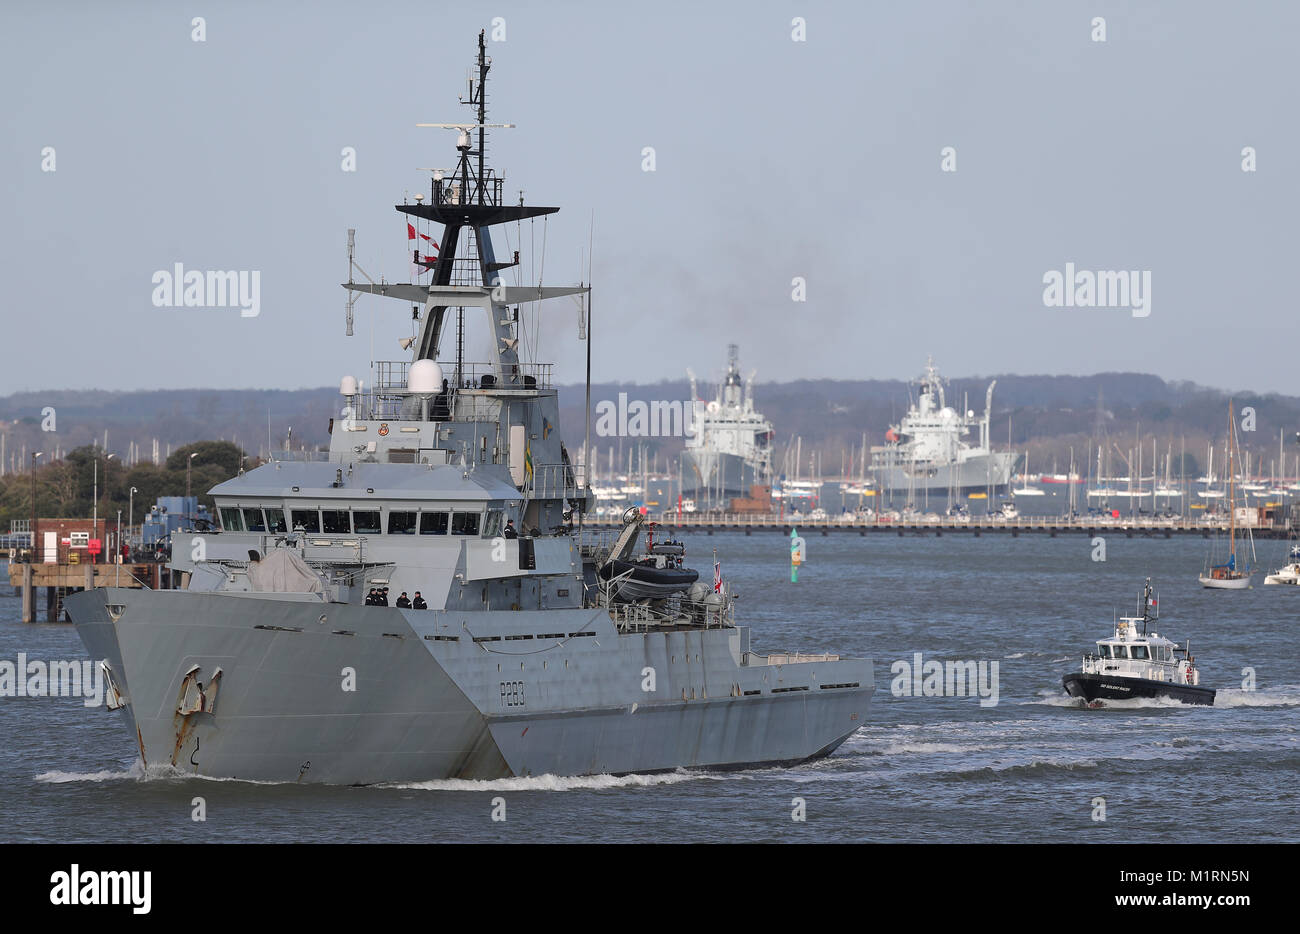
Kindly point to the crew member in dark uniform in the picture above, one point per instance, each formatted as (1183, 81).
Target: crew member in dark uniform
(403, 601)
(418, 603)
(383, 597)
(510, 529)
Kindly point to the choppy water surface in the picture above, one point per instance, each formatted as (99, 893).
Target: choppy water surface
(920, 770)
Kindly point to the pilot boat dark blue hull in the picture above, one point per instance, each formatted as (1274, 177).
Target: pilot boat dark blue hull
(1093, 687)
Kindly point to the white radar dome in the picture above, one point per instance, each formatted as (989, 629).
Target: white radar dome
(348, 386)
(424, 376)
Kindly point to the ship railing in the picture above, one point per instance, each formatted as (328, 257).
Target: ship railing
(453, 407)
(393, 376)
(513, 377)
(451, 189)
(793, 658)
(554, 481)
(674, 610)
(301, 455)
(597, 544)
(1120, 667)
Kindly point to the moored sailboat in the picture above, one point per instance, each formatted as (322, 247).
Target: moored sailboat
(1230, 575)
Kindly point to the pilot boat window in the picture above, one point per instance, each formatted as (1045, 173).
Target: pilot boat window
(231, 520)
(335, 522)
(433, 523)
(305, 520)
(1140, 651)
(366, 522)
(401, 523)
(1103, 650)
(1121, 651)
(275, 520)
(464, 523)
(492, 527)
(253, 520)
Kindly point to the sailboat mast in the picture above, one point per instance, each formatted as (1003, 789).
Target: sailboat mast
(1232, 492)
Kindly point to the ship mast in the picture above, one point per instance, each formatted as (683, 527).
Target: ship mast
(470, 197)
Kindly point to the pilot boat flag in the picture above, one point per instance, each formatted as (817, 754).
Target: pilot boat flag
(717, 573)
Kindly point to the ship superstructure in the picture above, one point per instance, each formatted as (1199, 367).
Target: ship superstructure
(925, 452)
(731, 447)
(424, 604)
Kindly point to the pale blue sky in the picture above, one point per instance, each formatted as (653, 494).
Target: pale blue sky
(775, 159)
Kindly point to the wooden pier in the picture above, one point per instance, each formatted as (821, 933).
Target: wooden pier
(59, 580)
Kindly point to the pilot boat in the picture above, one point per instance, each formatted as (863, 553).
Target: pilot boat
(1134, 663)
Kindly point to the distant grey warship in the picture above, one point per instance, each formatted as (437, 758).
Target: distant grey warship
(731, 446)
(291, 654)
(925, 450)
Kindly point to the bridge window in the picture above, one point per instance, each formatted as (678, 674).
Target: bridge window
(1103, 650)
(1121, 651)
(401, 523)
(1140, 651)
(335, 522)
(433, 523)
(464, 523)
(253, 520)
(275, 520)
(366, 522)
(231, 520)
(305, 520)
(492, 527)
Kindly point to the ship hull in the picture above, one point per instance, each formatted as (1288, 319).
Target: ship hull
(1092, 688)
(711, 476)
(896, 476)
(341, 694)
(1225, 583)
(1288, 575)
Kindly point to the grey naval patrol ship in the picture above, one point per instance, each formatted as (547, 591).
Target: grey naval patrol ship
(731, 446)
(925, 450)
(447, 478)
